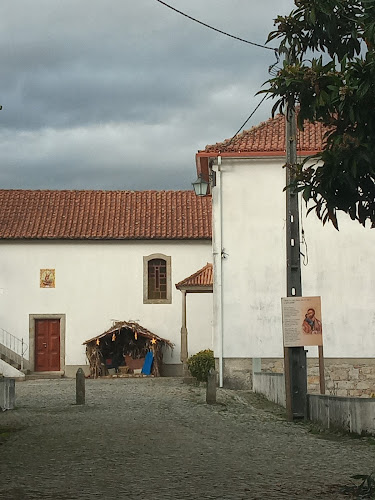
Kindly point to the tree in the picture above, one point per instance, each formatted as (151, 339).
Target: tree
(329, 72)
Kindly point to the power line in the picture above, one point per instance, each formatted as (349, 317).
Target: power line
(275, 51)
(244, 123)
(219, 31)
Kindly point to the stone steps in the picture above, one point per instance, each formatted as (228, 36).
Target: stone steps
(10, 361)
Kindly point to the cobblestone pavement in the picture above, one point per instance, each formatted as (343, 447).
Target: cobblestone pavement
(156, 439)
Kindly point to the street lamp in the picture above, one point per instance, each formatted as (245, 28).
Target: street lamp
(200, 186)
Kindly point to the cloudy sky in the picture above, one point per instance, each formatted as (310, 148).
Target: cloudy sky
(120, 94)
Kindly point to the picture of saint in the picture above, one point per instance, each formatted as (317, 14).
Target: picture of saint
(311, 324)
(301, 326)
(47, 278)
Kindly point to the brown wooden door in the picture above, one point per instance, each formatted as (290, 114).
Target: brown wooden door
(47, 345)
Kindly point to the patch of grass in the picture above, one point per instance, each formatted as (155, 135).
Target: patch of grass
(335, 434)
(6, 433)
(323, 433)
(260, 402)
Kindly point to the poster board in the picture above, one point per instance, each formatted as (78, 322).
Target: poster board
(302, 321)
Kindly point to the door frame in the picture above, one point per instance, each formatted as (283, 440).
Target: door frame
(32, 318)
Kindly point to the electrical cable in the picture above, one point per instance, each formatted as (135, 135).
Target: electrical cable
(275, 51)
(244, 123)
(305, 256)
(216, 29)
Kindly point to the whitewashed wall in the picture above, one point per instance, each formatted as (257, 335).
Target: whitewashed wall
(97, 282)
(341, 268)
(253, 270)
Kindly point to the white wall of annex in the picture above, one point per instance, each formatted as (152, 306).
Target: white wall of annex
(253, 270)
(97, 282)
(340, 268)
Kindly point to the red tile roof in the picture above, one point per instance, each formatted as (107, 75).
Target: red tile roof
(201, 278)
(269, 137)
(111, 215)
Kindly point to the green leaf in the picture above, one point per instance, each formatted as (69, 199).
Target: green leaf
(337, 91)
(307, 193)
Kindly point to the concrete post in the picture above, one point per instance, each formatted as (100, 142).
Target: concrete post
(80, 387)
(211, 388)
(257, 365)
(257, 368)
(7, 393)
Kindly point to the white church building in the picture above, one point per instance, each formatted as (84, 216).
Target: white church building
(72, 263)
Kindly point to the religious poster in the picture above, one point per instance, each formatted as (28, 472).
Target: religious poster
(302, 321)
(47, 278)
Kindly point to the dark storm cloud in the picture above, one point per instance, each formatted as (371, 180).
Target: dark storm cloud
(101, 94)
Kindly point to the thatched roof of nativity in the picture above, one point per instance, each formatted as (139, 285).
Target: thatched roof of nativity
(130, 325)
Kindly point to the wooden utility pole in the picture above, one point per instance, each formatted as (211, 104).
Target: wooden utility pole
(294, 357)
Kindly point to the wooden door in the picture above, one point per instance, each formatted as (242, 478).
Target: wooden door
(47, 345)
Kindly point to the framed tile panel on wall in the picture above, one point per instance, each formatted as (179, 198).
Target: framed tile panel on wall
(47, 278)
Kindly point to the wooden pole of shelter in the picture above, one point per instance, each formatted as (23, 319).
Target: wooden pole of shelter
(322, 382)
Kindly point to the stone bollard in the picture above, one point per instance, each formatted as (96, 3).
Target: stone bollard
(80, 387)
(211, 388)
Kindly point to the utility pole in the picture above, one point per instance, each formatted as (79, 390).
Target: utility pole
(294, 357)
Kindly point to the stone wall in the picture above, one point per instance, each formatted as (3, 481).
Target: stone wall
(237, 373)
(343, 377)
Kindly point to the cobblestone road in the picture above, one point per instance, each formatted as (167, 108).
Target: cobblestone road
(156, 439)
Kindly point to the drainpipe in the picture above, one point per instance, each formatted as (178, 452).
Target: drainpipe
(22, 344)
(184, 346)
(219, 269)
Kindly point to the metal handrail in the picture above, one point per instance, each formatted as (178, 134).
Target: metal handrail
(14, 344)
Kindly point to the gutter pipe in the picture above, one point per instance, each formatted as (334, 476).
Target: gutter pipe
(219, 270)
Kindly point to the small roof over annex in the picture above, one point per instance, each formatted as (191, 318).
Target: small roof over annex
(200, 281)
(104, 215)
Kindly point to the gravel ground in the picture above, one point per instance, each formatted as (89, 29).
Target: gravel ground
(157, 439)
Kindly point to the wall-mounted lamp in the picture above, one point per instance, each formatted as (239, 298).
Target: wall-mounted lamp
(200, 186)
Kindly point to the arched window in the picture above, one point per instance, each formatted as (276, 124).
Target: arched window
(157, 279)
